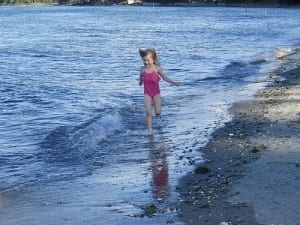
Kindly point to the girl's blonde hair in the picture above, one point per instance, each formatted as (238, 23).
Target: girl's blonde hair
(144, 52)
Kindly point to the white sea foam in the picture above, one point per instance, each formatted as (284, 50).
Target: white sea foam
(88, 137)
(283, 52)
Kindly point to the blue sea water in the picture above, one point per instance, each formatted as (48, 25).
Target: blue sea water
(74, 147)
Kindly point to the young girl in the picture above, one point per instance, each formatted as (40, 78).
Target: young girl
(150, 76)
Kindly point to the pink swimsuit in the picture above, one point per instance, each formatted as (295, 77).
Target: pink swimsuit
(151, 86)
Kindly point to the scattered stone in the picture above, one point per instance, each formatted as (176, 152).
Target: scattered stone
(202, 170)
(255, 150)
(224, 223)
(169, 221)
(150, 210)
(206, 206)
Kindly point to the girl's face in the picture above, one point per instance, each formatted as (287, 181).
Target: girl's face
(148, 60)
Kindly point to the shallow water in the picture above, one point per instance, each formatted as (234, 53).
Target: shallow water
(74, 146)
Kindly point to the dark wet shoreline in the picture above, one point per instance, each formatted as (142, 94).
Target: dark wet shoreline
(208, 191)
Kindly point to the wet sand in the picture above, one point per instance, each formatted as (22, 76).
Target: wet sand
(252, 169)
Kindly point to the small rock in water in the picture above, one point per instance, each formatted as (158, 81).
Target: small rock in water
(254, 150)
(202, 170)
(150, 210)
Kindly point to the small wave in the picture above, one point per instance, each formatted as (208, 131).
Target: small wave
(259, 61)
(88, 137)
(80, 142)
(211, 79)
(237, 71)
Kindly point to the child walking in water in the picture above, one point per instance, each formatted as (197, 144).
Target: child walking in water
(149, 76)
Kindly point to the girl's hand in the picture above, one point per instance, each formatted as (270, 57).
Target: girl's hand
(177, 84)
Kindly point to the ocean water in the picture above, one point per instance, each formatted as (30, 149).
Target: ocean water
(74, 147)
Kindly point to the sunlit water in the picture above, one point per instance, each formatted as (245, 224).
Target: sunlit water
(74, 145)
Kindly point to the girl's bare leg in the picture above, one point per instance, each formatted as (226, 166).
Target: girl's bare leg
(148, 108)
(157, 104)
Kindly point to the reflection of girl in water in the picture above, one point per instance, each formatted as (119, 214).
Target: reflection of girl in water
(160, 179)
(160, 173)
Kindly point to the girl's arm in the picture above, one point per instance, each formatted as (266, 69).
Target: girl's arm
(166, 78)
(141, 77)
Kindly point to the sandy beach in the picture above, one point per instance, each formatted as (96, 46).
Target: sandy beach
(252, 169)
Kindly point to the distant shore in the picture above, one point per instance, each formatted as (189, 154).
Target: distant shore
(242, 5)
(251, 173)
